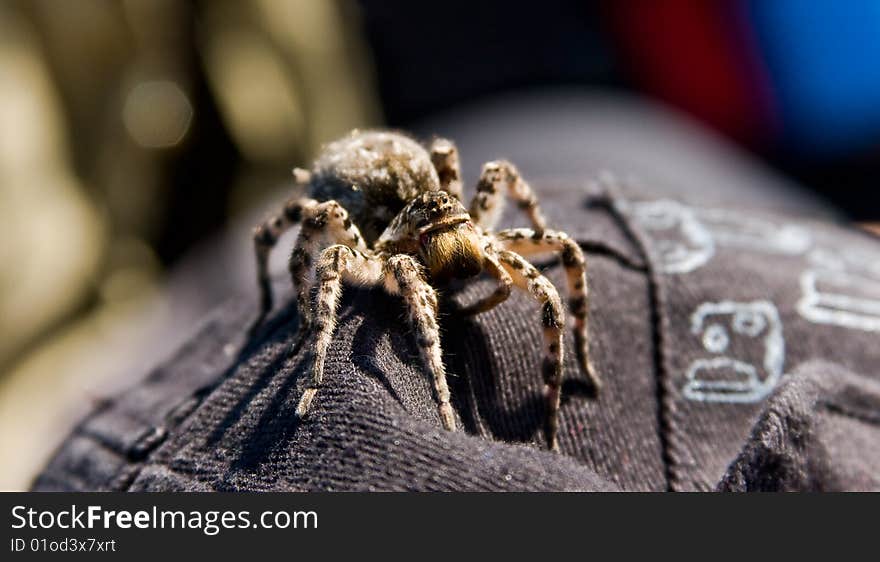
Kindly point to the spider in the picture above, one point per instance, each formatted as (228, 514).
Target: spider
(384, 211)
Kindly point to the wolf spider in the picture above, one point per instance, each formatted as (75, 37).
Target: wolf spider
(393, 213)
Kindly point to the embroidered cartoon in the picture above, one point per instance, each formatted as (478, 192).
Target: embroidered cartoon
(754, 233)
(746, 352)
(858, 261)
(681, 243)
(841, 298)
(686, 238)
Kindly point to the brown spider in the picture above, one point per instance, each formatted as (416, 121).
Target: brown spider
(415, 231)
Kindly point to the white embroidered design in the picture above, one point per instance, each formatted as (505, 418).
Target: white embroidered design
(754, 233)
(840, 298)
(685, 239)
(681, 243)
(747, 347)
(849, 260)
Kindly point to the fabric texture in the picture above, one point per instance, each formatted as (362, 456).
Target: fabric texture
(819, 431)
(738, 350)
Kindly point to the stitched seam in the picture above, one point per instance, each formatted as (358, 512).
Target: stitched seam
(598, 248)
(658, 336)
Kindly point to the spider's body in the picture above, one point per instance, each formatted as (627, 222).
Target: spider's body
(373, 175)
(386, 212)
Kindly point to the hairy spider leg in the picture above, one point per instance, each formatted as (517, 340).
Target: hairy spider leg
(400, 275)
(336, 263)
(527, 277)
(404, 276)
(444, 156)
(488, 203)
(528, 242)
(322, 223)
(502, 291)
(266, 235)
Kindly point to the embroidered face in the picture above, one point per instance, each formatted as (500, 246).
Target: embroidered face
(681, 242)
(745, 352)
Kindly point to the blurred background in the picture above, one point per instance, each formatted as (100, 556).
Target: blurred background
(140, 137)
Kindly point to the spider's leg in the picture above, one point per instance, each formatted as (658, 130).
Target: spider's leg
(444, 156)
(337, 263)
(488, 202)
(501, 292)
(266, 235)
(527, 242)
(322, 223)
(527, 277)
(405, 277)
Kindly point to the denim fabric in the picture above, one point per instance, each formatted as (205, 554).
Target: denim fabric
(707, 323)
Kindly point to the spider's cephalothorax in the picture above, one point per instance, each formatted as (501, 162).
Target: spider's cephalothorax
(416, 233)
(437, 228)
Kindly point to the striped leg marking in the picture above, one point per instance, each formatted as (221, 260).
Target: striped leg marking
(527, 242)
(322, 223)
(488, 203)
(444, 156)
(501, 292)
(527, 277)
(266, 235)
(337, 263)
(405, 277)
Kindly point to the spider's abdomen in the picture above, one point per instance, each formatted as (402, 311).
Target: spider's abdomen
(373, 174)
